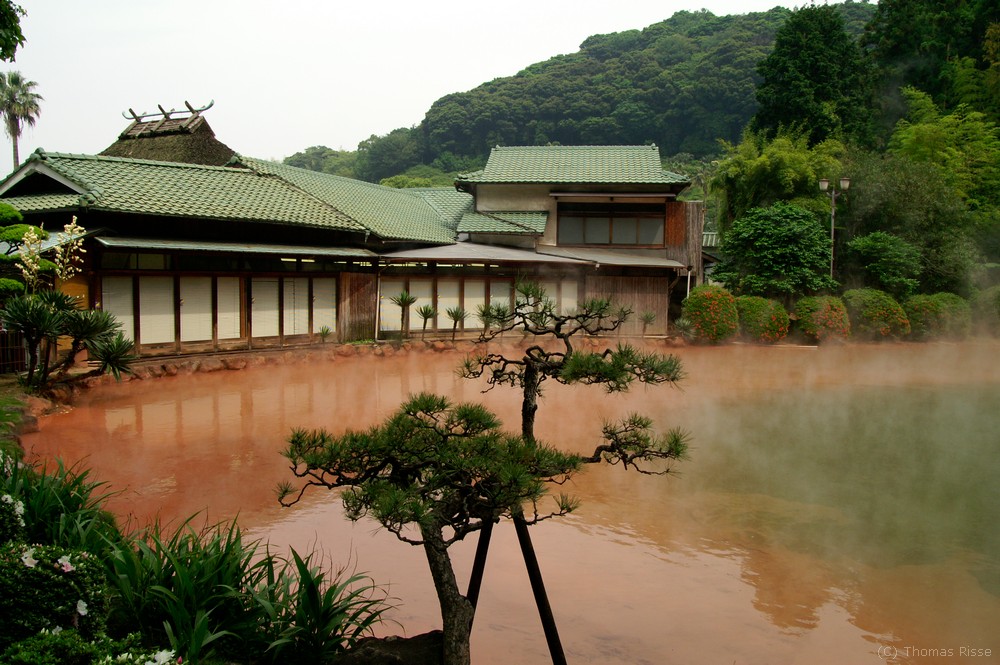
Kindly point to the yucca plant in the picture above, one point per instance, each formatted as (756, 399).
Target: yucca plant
(457, 315)
(647, 319)
(426, 312)
(403, 300)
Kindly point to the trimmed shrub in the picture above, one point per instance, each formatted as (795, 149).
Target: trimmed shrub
(762, 320)
(711, 311)
(939, 316)
(875, 315)
(68, 647)
(47, 587)
(823, 318)
(986, 311)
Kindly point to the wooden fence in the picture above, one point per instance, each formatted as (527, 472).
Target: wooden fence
(11, 352)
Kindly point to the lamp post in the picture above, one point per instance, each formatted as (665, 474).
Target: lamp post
(824, 186)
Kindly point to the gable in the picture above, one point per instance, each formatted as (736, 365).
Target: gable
(575, 164)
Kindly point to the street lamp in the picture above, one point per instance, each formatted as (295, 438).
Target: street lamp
(824, 186)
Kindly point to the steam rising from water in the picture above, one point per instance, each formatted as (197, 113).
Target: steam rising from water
(837, 500)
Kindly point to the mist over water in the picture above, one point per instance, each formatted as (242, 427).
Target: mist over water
(841, 505)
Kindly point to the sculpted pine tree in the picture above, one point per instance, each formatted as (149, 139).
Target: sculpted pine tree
(436, 472)
(555, 357)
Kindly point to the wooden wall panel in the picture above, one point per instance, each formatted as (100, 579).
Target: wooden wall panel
(359, 306)
(640, 294)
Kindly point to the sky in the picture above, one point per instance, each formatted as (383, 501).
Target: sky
(287, 75)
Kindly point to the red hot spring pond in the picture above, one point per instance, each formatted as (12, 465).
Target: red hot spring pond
(841, 504)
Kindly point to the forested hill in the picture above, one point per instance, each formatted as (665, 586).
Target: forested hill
(683, 84)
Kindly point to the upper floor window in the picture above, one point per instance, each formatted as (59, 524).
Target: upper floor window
(610, 223)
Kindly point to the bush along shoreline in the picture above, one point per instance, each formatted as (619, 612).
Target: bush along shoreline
(77, 589)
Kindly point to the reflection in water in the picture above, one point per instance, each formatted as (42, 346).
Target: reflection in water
(838, 502)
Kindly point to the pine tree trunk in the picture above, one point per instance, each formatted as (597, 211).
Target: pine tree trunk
(456, 611)
(529, 403)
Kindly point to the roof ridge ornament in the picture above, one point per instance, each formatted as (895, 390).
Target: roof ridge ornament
(166, 115)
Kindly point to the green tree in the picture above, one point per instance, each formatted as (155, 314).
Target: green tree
(11, 37)
(12, 232)
(759, 172)
(914, 201)
(913, 41)
(963, 143)
(18, 106)
(384, 156)
(815, 79)
(779, 252)
(534, 315)
(323, 159)
(886, 262)
(432, 474)
(449, 471)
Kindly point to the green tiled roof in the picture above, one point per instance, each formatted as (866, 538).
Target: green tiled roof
(575, 164)
(189, 190)
(504, 222)
(45, 202)
(388, 213)
(449, 203)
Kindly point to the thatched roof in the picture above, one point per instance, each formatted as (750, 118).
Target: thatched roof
(187, 140)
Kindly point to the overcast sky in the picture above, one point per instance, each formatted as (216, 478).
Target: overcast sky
(292, 74)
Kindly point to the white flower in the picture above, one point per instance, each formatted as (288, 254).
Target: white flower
(161, 658)
(81, 608)
(65, 564)
(7, 498)
(28, 558)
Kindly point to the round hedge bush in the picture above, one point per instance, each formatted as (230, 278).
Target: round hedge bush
(711, 312)
(939, 316)
(762, 320)
(875, 315)
(823, 318)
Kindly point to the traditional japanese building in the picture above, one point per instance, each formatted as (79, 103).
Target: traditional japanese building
(196, 248)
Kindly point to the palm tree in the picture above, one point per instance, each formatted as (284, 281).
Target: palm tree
(18, 106)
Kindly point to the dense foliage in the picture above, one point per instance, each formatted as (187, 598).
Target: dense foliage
(939, 316)
(683, 83)
(100, 594)
(778, 252)
(822, 319)
(902, 97)
(711, 313)
(761, 320)
(886, 262)
(815, 78)
(875, 315)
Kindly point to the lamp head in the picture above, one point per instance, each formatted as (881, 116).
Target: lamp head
(824, 184)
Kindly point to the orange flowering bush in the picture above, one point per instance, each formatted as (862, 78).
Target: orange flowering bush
(875, 315)
(712, 313)
(823, 318)
(762, 320)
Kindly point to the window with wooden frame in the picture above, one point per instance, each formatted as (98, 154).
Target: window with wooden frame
(611, 223)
